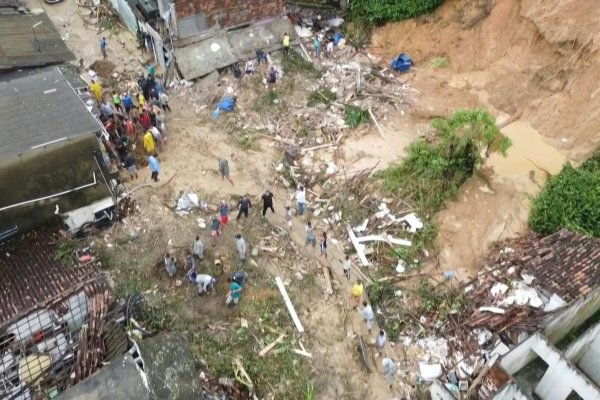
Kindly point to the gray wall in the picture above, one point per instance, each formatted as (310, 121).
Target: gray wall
(42, 172)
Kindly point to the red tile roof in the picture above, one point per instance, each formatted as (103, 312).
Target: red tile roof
(30, 275)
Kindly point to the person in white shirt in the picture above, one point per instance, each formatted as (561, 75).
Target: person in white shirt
(198, 248)
(346, 266)
(368, 315)
(205, 282)
(390, 370)
(301, 200)
(241, 246)
(380, 341)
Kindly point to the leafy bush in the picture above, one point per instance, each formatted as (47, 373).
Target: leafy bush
(433, 172)
(381, 11)
(569, 200)
(294, 63)
(321, 96)
(354, 116)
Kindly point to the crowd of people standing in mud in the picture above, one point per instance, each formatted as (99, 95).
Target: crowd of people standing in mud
(125, 115)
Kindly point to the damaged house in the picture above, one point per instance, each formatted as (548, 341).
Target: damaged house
(534, 326)
(51, 161)
(56, 327)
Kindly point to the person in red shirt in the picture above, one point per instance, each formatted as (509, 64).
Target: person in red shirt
(131, 131)
(145, 120)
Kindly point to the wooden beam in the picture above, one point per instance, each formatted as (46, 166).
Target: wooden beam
(357, 246)
(302, 353)
(270, 346)
(329, 289)
(376, 124)
(289, 304)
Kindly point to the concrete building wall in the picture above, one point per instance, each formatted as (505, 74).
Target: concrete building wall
(573, 317)
(561, 378)
(196, 16)
(510, 391)
(43, 172)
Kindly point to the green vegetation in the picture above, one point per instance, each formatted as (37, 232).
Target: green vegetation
(294, 63)
(440, 299)
(64, 254)
(322, 96)
(355, 116)
(432, 172)
(381, 11)
(280, 371)
(570, 200)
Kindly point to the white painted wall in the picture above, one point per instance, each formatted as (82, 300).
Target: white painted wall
(572, 317)
(590, 362)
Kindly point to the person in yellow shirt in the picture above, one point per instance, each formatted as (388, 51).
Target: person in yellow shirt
(357, 291)
(96, 90)
(149, 145)
(286, 44)
(141, 101)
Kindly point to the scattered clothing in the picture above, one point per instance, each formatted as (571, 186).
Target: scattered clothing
(170, 266)
(368, 316)
(204, 283)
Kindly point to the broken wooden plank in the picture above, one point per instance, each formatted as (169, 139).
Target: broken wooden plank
(270, 346)
(321, 146)
(302, 353)
(289, 304)
(305, 52)
(357, 246)
(329, 289)
(376, 124)
(387, 239)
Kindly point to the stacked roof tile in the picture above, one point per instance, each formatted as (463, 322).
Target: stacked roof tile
(30, 275)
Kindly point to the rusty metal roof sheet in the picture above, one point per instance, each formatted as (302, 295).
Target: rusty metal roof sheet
(30, 275)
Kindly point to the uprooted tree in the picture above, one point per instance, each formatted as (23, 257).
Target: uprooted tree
(433, 171)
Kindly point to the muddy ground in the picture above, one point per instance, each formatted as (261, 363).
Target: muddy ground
(535, 57)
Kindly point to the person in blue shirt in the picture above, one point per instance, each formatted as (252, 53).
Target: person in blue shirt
(154, 166)
(103, 45)
(127, 102)
(243, 205)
